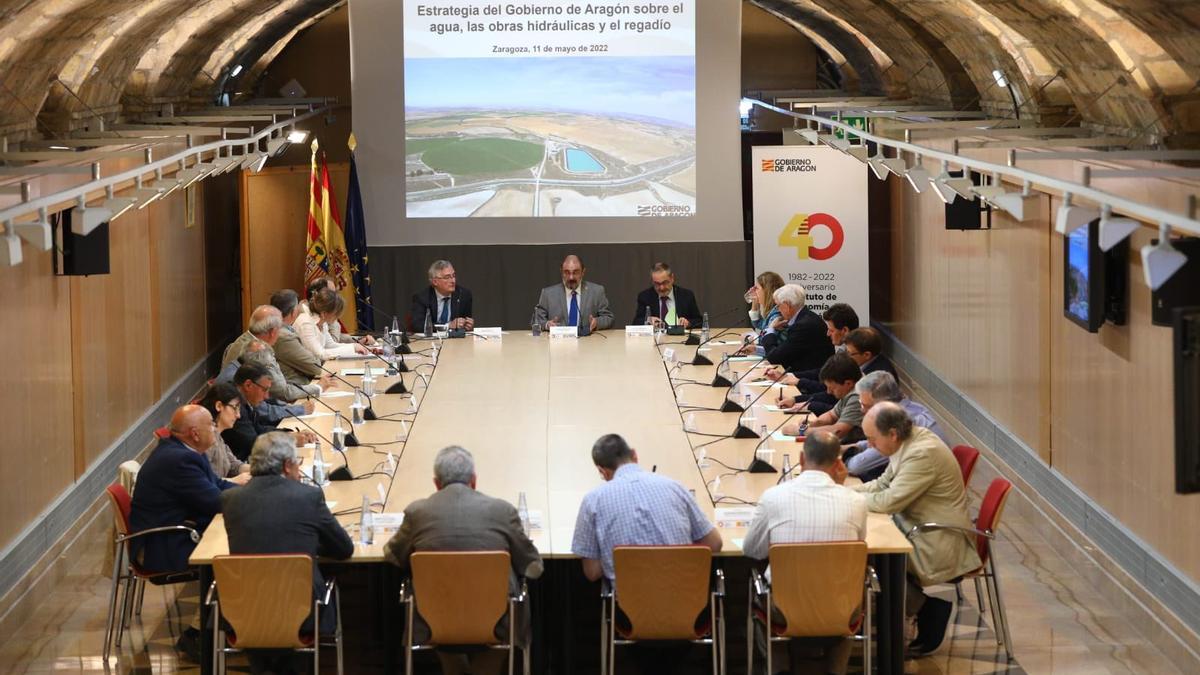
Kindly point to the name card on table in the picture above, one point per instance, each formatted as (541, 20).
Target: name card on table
(736, 516)
(639, 331)
(490, 333)
(558, 332)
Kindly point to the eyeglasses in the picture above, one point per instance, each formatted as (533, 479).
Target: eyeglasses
(447, 277)
(265, 388)
(854, 353)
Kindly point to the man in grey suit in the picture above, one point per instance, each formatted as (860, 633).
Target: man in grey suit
(275, 513)
(574, 302)
(458, 518)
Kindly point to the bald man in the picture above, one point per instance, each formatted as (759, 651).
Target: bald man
(574, 302)
(176, 486)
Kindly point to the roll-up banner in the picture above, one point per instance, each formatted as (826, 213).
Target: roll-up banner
(810, 223)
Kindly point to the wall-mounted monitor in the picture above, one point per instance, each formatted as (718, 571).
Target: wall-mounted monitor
(1095, 282)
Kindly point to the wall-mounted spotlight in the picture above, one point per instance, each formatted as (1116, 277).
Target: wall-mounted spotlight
(859, 152)
(810, 135)
(1022, 205)
(37, 234)
(1071, 217)
(835, 142)
(896, 165)
(1114, 229)
(962, 184)
(297, 136)
(145, 195)
(878, 163)
(117, 205)
(84, 220)
(989, 191)
(941, 184)
(917, 176)
(166, 185)
(1161, 260)
(10, 246)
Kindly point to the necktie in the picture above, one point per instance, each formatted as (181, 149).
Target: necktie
(662, 308)
(444, 317)
(573, 311)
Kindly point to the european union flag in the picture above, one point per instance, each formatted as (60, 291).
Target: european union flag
(356, 249)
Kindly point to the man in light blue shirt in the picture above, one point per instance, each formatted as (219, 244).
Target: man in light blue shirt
(864, 461)
(634, 508)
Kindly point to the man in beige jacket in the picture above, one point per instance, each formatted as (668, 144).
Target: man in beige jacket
(922, 484)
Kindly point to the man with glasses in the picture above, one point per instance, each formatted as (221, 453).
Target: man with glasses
(253, 382)
(865, 346)
(444, 302)
(666, 302)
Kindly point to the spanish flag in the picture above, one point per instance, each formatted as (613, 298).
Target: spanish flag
(326, 250)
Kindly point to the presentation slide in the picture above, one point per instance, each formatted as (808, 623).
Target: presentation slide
(555, 108)
(547, 121)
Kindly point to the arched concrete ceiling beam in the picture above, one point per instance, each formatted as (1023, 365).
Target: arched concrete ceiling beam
(819, 27)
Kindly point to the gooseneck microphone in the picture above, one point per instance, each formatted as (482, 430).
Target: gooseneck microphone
(397, 327)
(342, 472)
(351, 439)
(720, 380)
(702, 360)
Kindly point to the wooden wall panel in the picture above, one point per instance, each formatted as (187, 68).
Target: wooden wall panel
(178, 252)
(984, 309)
(111, 314)
(35, 390)
(1113, 433)
(953, 294)
(274, 220)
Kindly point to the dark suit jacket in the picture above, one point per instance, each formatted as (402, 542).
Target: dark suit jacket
(810, 379)
(458, 518)
(176, 486)
(685, 306)
(274, 514)
(241, 436)
(461, 305)
(803, 345)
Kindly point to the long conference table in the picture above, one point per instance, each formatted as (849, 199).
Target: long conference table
(529, 408)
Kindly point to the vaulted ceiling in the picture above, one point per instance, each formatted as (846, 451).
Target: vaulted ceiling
(1128, 67)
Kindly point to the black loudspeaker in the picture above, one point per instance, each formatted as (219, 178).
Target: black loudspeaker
(78, 255)
(1187, 399)
(968, 214)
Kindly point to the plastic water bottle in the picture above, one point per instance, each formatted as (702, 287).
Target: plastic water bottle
(337, 434)
(689, 424)
(318, 470)
(395, 328)
(702, 459)
(749, 400)
(356, 409)
(762, 431)
(787, 467)
(535, 326)
(366, 523)
(428, 324)
(704, 329)
(523, 513)
(649, 317)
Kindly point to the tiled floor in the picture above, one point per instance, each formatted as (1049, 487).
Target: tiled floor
(1059, 615)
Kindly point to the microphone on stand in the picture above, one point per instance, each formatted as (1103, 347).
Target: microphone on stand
(350, 439)
(340, 473)
(396, 387)
(759, 465)
(700, 359)
(720, 380)
(397, 331)
(742, 431)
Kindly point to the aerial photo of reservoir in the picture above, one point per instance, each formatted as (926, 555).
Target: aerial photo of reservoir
(550, 137)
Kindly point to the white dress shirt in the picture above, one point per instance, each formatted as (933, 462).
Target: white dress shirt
(809, 508)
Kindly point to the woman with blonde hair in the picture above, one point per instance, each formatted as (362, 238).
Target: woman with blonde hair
(763, 311)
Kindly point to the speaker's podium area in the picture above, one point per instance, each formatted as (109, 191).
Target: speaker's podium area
(623, 337)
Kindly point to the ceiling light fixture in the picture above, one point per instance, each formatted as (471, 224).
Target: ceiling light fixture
(1114, 229)
(1162, 260)
(1071, 217)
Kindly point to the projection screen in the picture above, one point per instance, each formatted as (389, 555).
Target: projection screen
(547, 121)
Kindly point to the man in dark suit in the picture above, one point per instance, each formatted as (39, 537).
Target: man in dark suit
(667, 302)
(445, 302)
(253, 381)
(458, 518)
(176, 486)
(865, 346)
(275, 513)
(801, 343)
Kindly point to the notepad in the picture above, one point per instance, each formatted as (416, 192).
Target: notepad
(314, 415)
(336, 393)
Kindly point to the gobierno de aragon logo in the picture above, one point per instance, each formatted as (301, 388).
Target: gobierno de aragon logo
(798, 234)
(803, 164)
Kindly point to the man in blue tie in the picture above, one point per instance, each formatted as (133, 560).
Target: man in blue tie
(574, 302)
(444, 301)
